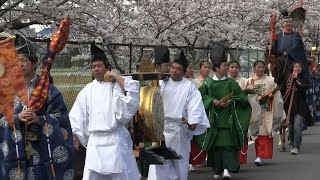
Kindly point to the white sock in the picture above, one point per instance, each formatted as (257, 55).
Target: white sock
(226, 173)
(258, 159)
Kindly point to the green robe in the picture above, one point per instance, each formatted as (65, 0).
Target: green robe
(229, 126)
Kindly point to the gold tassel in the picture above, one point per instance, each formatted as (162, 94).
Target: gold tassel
(52, 169)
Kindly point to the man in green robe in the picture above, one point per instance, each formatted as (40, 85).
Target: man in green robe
(229, 113)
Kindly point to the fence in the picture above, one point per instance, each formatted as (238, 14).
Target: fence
(71, 68)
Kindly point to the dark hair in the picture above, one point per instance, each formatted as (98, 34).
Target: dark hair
(302, 70)
(257, 62)
(203, 62)
(234, 62)
(32, 57)
(184, 68)
(159, 64)
(190, 64)
(216, 65)
(107, 65)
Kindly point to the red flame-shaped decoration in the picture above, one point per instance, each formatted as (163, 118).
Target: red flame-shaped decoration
(58, 42)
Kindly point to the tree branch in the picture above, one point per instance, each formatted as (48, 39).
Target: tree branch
(3, 11)
(62, 3)
(257, 20)
(2, 2)
(18, 25)
(172, 43)
(31, 12)
(119, 20)
(195, 40)
(114, 60)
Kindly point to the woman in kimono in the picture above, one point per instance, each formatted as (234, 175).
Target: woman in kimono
(298, 110)
(234, 69)
(204, 71)
(189, 72)
(197, 158)
(272, 113)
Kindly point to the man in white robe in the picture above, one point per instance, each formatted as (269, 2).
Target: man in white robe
(162, 65)
(184, 117)
(98, 117)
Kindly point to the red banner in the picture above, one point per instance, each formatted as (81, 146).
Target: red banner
(11, 79)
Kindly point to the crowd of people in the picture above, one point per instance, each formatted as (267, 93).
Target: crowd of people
(208, 120)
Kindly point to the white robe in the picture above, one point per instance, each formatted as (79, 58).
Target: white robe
(98, 117)
(180, 99)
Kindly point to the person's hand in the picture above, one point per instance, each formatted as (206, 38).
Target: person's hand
(216, 103)
(76, 142)
(24, 115)
(192, 127)
(295, 75)
(109, 76)
(225, 104)
(29, 116)
(33, 119)
(270, 95)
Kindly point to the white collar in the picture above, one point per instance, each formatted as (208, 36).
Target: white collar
(215, 78)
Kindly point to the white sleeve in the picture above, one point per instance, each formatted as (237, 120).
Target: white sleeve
(126, 102)
(196, 112)
(79, 119)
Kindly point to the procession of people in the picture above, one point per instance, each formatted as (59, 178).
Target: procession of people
(208, 120)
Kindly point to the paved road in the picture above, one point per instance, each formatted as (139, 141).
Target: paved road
(283, 166)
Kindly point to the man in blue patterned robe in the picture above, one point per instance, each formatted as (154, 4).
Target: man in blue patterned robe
(45, 146)
(290, 46)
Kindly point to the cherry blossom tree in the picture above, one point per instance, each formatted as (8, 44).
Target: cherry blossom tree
(189, 23)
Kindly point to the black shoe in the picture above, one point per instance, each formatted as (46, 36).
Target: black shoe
(257, 163)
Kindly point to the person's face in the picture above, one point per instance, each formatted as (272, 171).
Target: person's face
(297, 68)
(259, 69)
(28, 68)
(205, 69)
(189, 72)
(98, 70)
(176, 72)
(163, 68)
(234, 70)
(287, 24)
(223, 69)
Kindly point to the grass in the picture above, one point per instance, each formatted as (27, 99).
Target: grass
(70, 84)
